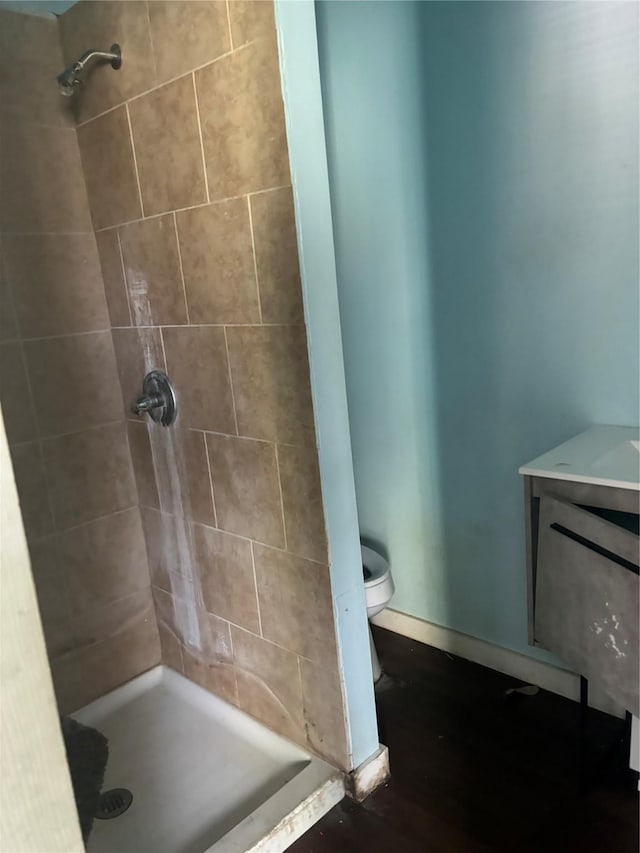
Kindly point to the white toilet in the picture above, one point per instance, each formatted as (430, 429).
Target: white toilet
(378, 590)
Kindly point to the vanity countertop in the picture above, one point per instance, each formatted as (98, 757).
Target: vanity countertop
(604, 455)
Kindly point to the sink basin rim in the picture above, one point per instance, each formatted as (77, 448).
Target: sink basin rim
(604, 454)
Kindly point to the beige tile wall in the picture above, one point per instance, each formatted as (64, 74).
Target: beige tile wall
(185, 158)
(59, 386)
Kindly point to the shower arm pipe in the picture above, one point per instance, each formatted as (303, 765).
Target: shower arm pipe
(113, 56)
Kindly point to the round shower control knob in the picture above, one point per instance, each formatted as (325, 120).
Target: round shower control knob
(158, 399)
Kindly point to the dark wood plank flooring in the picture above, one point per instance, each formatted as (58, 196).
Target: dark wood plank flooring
(476, 769)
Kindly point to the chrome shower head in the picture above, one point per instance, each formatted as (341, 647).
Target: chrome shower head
(67, 80)
(70, 77)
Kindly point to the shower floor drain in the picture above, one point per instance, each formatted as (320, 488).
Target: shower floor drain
(113, 803)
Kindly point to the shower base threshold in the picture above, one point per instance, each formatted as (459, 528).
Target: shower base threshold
(205, 777)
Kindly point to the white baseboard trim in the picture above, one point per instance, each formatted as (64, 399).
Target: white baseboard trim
(545, 675)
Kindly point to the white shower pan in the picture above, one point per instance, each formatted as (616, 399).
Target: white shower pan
(205, 777)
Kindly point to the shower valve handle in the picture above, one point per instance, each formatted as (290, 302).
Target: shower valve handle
(146, 404)
(158, 399)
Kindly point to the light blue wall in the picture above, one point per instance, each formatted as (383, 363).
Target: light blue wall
(483, 167)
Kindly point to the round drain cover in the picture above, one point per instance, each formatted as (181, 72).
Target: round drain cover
(113, 803)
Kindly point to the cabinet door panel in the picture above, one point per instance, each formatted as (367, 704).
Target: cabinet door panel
(586, 597)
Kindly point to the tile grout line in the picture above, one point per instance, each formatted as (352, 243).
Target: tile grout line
(8, 289)
(127, 101)
(229, 25)
(32, 402)
(213, 497)
(255, 259)
(284, 522)
(19, 120)
(157, 215)
(85, 428)
(135, 484)
(204, 161)
(129, 419)
(268, 640)
(184, 287)
(164, 352)
(321, 563)
(11, 235)
(233, 397)
(233, 664)
(255, 586)
(204, 325)
(304, 713)
(135, 159)
(125, 281)
(73, 527)
(85, 646)
(63, 336)
(230, 434)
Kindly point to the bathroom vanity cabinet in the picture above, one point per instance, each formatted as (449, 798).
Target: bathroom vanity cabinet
(582, 527)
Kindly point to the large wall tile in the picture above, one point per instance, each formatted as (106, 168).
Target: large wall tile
(199, 497)
(104, 561)
(270, 374)
(198, 368)
(17, 411)
(100, 24)
(274, 233)
(152, 269)
(56, 284)
(102, 621)
(187, 35)
(210, 664)
(30, 60)
(302, 502)
(50, 579)
(31, 482)
(323, 711)
(218, 265)
(169, 547)
(295, 604)
(251, 19)
(143, 464)
(165, 608)
(268, 683)
(41, 184)
(109, 169)
(170, 649)
(225, 567)
(74, 381)
(168, 150)
(170, 644)
(246, 488)
(182, 473)
(242, 120)
(174, 566)
(113, 277)
(138, 351)
(89, 474)
(106, 665)
(8, 321)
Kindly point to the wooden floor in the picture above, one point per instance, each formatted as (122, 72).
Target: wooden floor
(475, 769)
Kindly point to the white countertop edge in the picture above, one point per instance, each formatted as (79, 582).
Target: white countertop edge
(630, 485)
(585, 458)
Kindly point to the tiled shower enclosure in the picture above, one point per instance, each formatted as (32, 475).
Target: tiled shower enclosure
(148, 223)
